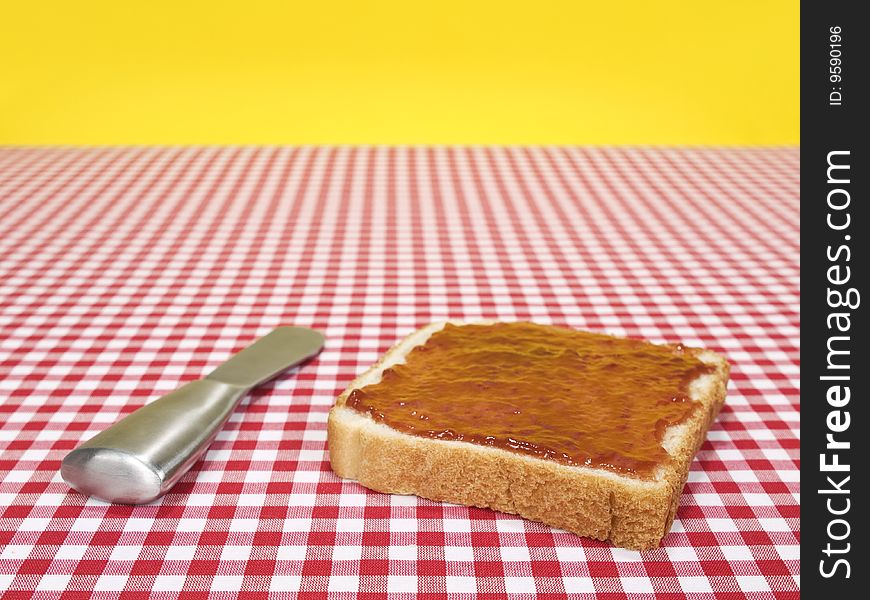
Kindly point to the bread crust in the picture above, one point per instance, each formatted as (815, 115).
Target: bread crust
(630, 512)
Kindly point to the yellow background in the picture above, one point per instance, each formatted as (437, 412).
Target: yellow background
(339, 71)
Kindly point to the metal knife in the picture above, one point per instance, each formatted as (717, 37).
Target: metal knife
(139, 458)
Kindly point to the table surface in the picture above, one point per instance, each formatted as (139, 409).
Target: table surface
(125, 272)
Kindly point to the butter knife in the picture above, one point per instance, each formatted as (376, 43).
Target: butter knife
(139, 458)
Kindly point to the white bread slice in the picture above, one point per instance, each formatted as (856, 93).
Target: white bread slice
(631, 512)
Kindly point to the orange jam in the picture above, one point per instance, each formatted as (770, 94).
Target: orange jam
(569, 396)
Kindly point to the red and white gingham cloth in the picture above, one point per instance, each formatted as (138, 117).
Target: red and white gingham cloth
(125, 272)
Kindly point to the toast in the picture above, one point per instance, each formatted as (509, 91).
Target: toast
(631, 510)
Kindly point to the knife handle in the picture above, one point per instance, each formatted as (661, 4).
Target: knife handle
(139, 458)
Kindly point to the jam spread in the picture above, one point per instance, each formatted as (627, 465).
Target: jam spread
(559, 394)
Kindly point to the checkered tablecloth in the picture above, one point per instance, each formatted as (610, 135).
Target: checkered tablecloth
(125, 272)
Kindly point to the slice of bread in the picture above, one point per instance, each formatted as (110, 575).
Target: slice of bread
(631, 511)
